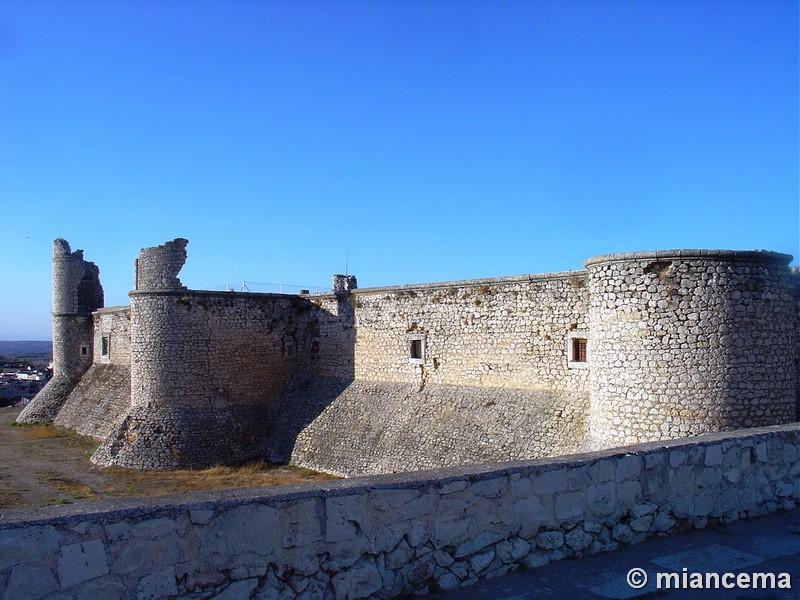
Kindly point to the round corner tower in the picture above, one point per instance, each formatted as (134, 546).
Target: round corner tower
(687, 342)
(77, 293)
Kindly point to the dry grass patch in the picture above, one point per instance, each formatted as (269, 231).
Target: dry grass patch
(76, 490)
(127, 482)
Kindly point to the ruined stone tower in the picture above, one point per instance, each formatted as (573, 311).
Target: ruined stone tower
(77, 293)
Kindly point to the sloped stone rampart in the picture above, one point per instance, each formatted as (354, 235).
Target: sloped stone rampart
(103, 394)
(95, 404)
(370, 427)
(385, 536)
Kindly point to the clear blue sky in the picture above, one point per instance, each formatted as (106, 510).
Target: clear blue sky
(430, 141)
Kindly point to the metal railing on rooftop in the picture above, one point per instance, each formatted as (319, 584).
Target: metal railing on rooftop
(266, 287)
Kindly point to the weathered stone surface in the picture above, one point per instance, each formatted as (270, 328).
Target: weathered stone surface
(238, 590)
(30, 583)
(160, 584)
(81, 562)
(30, 545)
(359, 581)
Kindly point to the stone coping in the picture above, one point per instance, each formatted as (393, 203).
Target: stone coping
(111, 509)
(112, 309)
(373, 290)
(722, 255)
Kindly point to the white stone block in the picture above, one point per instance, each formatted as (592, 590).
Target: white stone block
(345, 518)
(82, 562)
(158, 585)
(30, 583)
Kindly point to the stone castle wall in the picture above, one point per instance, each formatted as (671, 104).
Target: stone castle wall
(508, 333)
(103, 394)
(208, 370)
(688, 342)
(492, 381)
(639, 347)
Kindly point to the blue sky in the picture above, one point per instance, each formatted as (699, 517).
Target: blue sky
(405, 141)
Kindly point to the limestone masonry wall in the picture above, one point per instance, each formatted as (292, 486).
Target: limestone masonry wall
(725, 318)
(208, 369)
(640, 346)
(157, 268)
(102, 396)
(380, 537)
(76, 293)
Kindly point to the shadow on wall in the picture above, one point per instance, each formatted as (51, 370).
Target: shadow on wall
(329, 370)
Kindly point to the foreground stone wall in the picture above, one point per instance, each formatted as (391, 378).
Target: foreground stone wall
(385, 536)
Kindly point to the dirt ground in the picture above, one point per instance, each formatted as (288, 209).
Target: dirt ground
(42, 465)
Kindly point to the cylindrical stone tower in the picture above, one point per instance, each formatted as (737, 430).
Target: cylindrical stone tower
(76, 294)
(687, 342)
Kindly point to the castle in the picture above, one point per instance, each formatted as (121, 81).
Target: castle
(637, 347)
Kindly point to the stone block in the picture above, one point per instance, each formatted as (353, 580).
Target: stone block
(402, 555)
(628, 467)
(550, 482)
(577, 539)
(601, 498)
(628, 492)
(761, 452)
(447, 581)
(116, 530)
(249, 528)
(158, 585)
(677, 457)
(143, 555)
(569, 505)
(391, 500)
(345, 518)
(513, 550)
(341, 556)
(28, 546)
(300, 523)
(481, 561)
(82, 562)
(473, 545)
(453, 486)
(550, 540)
(201, 517)
(450, 529)
(490, 488)
(536, 559)
(714, 455)
(238, 590)
(642, 524)
(153, 528)
(30, 583)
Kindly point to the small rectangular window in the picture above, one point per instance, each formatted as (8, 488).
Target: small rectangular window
(84, 350)
(416, 349)
(578, 349)
(105, 346)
